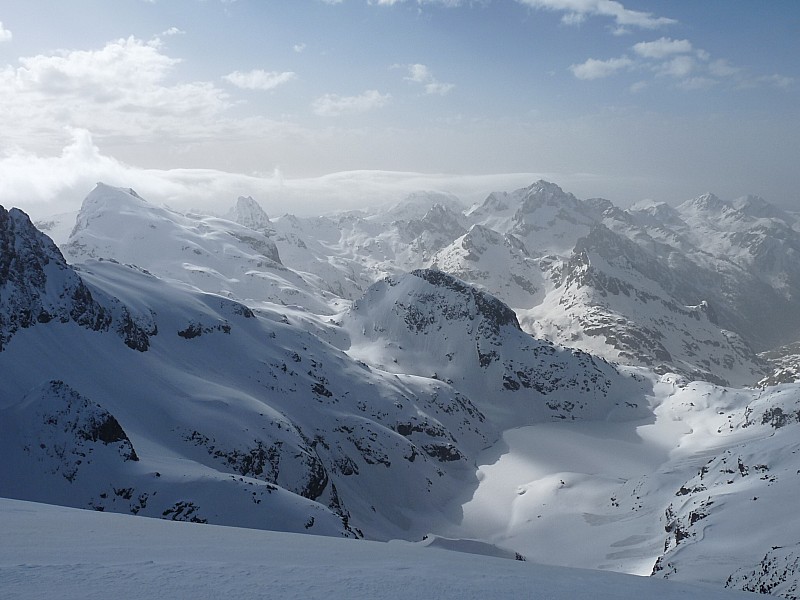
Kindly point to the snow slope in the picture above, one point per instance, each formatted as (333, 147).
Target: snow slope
(48, 551)
(704, 490)
(209, 254)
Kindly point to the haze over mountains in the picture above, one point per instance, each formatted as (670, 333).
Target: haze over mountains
(557, 377)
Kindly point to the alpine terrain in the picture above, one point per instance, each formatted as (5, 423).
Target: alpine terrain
(536, 377)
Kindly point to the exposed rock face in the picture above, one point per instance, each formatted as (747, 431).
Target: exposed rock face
(777, 574)
(66, 431)
(429, 323)
(38, 286)
(249, 213)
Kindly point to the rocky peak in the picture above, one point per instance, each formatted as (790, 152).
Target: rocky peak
(494, 312)
(707, 203)
(249, 213)
(543, 193)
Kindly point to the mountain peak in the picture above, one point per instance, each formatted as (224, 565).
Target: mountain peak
(543, 193)
(706, 203)
(496, 313)
(249, 213)
(651, 212)
(757, 207)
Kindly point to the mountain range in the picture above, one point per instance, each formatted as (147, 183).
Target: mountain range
(538, 372)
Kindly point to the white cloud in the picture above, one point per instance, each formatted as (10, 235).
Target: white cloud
(47, 185)
(697, 83)
(5, 34)
(419, 73)
(722, 68)
(680, 66)
(662, 48)
(638, 87)
(597, 69)
(121, 90)
(333, 105)
(299, 47)
(578, 10)
(776, 80)
(173, 31)
(259, 79)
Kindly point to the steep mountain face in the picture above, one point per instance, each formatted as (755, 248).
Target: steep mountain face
(612, 282)
(431, 324)
(614, 294)
(739, 256)
(762, 242)
(37, 286)
(249, 213)
(60, 447)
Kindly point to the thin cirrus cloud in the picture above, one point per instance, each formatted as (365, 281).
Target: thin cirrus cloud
(258, 79)
(5, 34)
(334, 105)
(419, 73)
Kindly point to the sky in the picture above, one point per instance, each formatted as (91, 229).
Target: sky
(315, 104)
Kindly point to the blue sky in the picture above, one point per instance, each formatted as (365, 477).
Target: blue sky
(625, 100)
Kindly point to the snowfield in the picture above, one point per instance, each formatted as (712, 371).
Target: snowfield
(50, 551)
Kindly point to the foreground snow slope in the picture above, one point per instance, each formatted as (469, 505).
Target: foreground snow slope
(48, 551)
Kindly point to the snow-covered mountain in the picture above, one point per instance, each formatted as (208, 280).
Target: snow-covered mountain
(429, 323)
(207, 253)
(221, 407)
(543, 374)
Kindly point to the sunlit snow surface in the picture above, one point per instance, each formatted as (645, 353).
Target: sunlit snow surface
(706, 483)
(55, 552)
